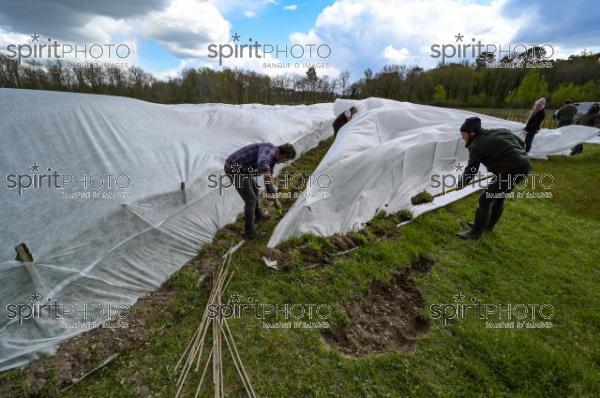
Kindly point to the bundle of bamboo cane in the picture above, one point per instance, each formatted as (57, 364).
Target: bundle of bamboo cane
(192, 355)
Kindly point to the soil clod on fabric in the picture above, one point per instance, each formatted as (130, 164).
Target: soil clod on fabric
(421, 198)
(389, 317)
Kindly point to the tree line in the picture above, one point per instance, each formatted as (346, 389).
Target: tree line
(459, 85)
(476, 85)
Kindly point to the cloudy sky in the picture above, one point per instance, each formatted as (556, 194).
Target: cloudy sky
(168, 35)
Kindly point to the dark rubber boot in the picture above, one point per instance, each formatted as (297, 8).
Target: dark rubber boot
(254, 235)
(249, 209)
(250, 231)
(482, 219)
(496, 213)
(260, 214)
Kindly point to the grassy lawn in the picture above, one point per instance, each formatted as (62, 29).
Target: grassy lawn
(542, 251)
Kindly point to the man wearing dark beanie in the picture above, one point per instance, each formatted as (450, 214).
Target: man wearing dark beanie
(503, 154)
(471, 125)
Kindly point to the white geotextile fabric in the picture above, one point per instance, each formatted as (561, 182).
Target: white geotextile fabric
(388, 153)
(594, 140)
(112, 251)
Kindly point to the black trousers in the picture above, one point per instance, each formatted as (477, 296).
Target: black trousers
(492, 198)
(577, 149)
(529, 139)
(247, 187)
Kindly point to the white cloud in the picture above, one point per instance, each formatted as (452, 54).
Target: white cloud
(100, 54)
(394, 55)
(103, 29)
(310, 37)
(564, 52)
(185, 27)
(172, 73)
(10, 37)
(234, 6)
(380, 32)
(360, 34)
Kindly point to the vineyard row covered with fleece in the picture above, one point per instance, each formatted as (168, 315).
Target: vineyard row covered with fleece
(112, 250)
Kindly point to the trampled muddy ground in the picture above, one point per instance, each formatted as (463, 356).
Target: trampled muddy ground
(387, 318)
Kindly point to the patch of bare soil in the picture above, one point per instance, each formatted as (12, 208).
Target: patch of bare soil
(389, 316)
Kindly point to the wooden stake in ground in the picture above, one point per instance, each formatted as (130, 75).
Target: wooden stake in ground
(220, 331)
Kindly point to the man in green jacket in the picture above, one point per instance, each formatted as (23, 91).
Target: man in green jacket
(591, 119)
(503, 154)
(566, 114)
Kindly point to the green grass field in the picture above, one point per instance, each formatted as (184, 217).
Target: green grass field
(542, 251)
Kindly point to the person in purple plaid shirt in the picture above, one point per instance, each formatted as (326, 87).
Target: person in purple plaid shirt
(245, 164)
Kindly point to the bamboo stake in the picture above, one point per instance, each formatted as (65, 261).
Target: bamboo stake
(239, 366)
(197, 343)
(195, 346)
(220, 330)
(216, 361)
(235, 364)
(194, 340)
(203, 373)
(204, 316)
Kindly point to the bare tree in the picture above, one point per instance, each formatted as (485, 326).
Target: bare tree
(344, 80)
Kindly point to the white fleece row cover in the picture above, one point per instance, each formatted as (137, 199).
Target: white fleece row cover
(389, 152)
(114, 224)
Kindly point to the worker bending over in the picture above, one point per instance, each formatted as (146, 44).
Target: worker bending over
(342, 119)
(244, 165)
(503, 154)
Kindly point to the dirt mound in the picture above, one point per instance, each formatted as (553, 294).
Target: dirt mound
(387, 318)
(310, 255)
